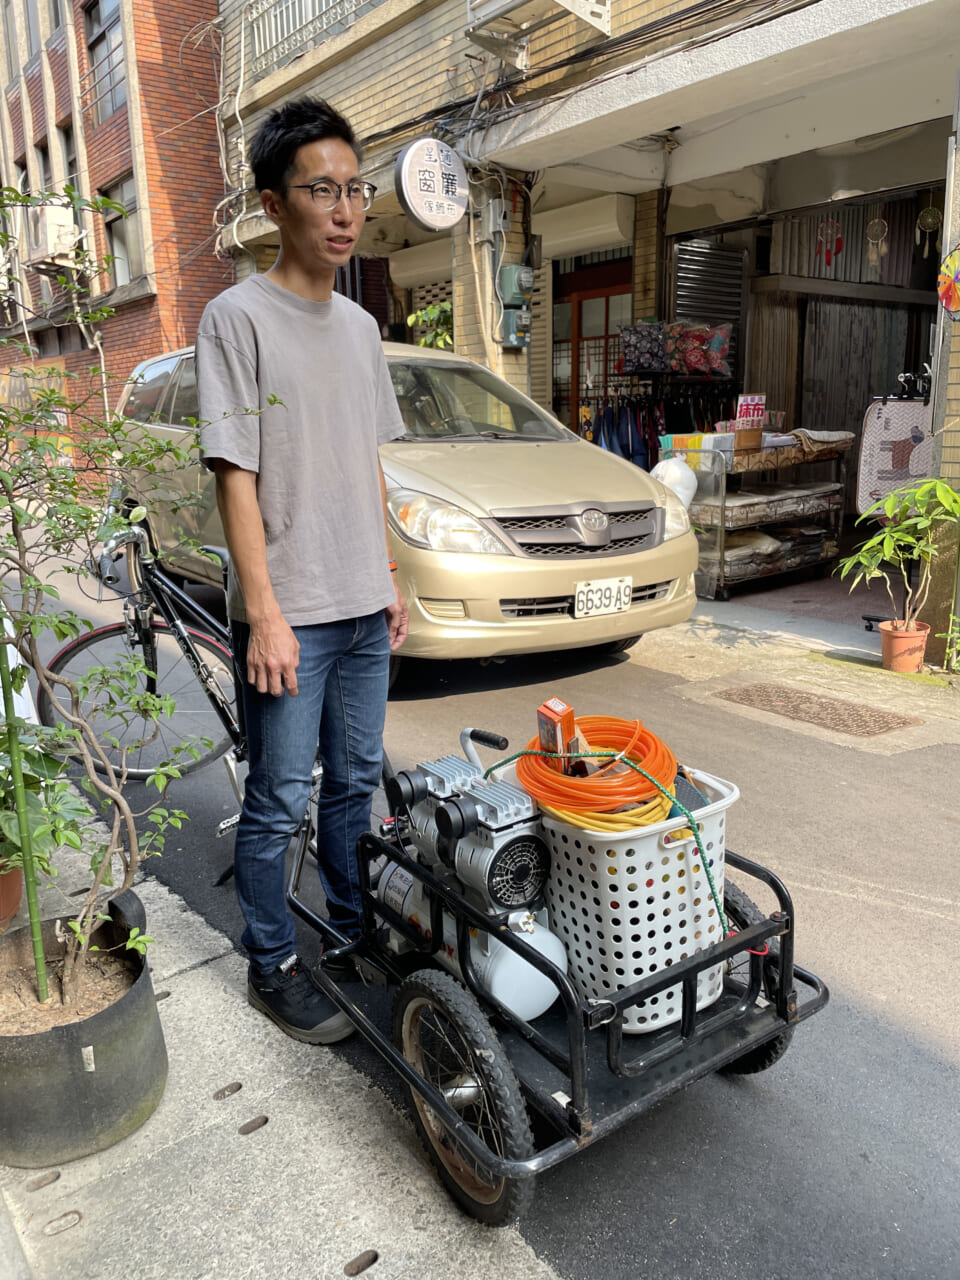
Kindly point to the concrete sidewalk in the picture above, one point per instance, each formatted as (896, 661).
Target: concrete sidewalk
(336, 1171)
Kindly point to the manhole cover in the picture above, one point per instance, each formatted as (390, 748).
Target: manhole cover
(851, 718)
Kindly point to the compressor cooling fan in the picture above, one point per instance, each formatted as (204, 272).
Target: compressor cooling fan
(517, 874)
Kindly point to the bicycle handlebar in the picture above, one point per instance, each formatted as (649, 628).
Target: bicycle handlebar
(106, 571)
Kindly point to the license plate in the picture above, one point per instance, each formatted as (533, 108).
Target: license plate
(602, 595)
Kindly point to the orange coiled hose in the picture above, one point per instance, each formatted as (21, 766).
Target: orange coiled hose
(610, 788)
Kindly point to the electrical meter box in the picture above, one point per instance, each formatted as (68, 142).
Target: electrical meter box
(516, 285)
(516, 327)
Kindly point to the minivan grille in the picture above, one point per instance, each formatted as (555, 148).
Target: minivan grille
(616, 547)
(548, 534)
(562, 606)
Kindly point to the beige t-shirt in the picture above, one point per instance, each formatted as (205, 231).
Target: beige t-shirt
(299, 392)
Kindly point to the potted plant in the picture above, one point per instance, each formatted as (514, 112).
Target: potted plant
(82, 1057)
(913, 520)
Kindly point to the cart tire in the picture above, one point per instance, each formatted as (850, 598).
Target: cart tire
(434, 1009)
(741, 912)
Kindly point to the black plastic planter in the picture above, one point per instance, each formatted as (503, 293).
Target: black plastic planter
(80, 1088)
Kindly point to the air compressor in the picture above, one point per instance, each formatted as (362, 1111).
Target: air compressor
(485, 835)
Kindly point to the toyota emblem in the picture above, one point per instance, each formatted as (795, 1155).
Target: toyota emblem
(594, 520)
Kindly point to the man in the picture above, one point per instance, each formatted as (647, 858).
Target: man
(296, 396)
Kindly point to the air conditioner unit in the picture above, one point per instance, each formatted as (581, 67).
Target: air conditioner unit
(51, 236)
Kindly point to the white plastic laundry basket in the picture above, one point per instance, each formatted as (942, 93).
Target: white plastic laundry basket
(631, 905)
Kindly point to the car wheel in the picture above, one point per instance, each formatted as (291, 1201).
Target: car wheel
(395, 661)
(619, 646)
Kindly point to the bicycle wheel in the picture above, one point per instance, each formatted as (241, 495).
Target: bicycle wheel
(141, 743)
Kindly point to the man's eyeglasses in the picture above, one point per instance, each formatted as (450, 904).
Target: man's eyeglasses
(326, 193)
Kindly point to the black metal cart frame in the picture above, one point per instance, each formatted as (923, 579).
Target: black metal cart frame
(574, 1067)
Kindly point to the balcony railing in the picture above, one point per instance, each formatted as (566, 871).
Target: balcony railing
(280, 29)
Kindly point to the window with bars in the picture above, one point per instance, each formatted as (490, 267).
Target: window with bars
(104, 86)
(281, 29)
(586, 347)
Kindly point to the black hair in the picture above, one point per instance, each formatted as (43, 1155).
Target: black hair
(274, 149)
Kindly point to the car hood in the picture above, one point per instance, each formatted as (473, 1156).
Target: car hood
(492, 475)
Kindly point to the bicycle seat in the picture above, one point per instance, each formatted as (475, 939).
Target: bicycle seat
(218, 553)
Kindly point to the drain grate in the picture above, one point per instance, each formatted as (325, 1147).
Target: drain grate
(851, 718)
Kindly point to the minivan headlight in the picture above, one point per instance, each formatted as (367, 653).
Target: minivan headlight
(677, 521)
(430, 522)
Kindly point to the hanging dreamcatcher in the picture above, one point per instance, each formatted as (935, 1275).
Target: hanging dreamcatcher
(948, 286)
(876, 234)
(929, 220)
(829, 240)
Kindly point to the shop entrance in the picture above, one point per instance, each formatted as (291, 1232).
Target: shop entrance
(842, 301)
(591, 300)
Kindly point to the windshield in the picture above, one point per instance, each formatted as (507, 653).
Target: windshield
(447, 401)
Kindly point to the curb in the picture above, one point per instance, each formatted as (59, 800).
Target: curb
(12, 1256)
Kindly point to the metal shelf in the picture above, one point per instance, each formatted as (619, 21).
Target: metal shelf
(715, 576)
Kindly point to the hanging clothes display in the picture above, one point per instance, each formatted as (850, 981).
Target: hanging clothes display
(629, 423)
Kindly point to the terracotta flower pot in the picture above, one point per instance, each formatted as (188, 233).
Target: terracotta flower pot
(11, 892)
(903, 650)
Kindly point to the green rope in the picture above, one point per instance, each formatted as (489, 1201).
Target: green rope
(613, 755)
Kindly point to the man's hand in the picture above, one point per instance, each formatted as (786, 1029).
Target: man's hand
(398, 618)
(272, 656)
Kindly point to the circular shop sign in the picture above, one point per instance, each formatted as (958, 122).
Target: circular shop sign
(431, 183)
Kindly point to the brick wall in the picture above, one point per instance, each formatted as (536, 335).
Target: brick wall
(178, 80)
(37, 107)
(541, 337)
(60, 75)
(178, 163)
(950, 455)
(15, 109)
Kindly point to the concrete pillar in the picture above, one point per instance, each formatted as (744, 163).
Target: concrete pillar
(481, 245)
(648, 260)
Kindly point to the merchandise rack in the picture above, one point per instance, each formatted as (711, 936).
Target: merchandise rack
(714, 516)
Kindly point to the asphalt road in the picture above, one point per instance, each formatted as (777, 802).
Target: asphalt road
(842, 1160)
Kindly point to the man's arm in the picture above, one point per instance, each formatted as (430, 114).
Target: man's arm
(274, 651)
(398, 616)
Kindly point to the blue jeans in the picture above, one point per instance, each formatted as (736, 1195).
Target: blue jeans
(342, 678)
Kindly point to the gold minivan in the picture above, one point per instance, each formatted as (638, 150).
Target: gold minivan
(511, 534)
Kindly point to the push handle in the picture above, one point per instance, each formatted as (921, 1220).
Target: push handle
(484, 738)
(496, 741)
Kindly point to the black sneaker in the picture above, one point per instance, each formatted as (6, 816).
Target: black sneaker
(292, 999)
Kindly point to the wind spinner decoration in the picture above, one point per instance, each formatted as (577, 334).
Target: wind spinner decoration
(829, 240)
(948, 285)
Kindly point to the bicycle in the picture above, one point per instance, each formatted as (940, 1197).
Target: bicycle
(193, 664)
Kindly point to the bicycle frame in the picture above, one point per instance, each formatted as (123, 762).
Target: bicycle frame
(158, 592)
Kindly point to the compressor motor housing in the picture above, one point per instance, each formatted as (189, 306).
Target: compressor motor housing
(486, 835)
